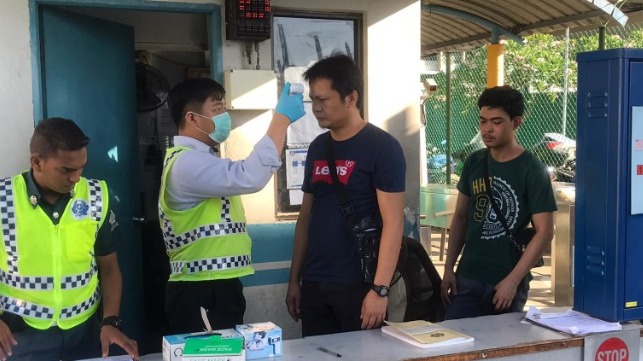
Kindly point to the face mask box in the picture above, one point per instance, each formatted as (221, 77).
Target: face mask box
(261, 339)
(219, 345)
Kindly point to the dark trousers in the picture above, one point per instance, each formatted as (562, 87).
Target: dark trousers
(331, 307)
(54, 344)
(223, 299)
(475, 299)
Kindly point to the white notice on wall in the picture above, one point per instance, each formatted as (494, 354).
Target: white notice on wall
(295, 163)
(296, 197)
(304, 130)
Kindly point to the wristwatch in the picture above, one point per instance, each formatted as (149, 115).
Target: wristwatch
(381, 290)
(114, 321)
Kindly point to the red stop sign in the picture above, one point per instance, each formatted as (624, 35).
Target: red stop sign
(612, 349)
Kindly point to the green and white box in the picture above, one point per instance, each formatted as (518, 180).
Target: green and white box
(219, 345)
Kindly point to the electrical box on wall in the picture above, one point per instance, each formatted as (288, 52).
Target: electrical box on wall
(247, 19)
(250, 89)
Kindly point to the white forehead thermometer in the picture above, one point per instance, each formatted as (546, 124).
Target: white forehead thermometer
(296, 88)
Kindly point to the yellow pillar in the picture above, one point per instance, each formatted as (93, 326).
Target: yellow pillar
(495, 65)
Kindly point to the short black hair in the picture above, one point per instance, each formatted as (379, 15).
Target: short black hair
(54, 134)
(344, 74)
(190, 95)
(505, 97)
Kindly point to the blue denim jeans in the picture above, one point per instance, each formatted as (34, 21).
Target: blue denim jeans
(475, 299)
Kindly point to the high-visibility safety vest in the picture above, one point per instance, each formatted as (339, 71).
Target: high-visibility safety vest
(48, 272)
(208, 241)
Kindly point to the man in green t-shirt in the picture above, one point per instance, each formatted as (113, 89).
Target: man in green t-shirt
(488, 280)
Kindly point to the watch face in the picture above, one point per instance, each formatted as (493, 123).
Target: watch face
(381, 291)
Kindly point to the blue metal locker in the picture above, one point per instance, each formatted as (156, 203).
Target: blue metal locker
(608, 255)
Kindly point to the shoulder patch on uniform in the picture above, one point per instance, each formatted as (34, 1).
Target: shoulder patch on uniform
(112, 220)
(80, 209)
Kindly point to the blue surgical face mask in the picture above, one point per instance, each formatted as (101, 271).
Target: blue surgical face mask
(222, 125)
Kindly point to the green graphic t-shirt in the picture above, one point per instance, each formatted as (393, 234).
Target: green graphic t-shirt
(521, 187)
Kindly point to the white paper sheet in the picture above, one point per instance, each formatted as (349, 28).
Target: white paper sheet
(571, 322)
(295, 167)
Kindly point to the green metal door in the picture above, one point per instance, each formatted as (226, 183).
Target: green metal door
(88, 76)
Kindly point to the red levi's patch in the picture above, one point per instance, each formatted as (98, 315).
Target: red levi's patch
(321, 171)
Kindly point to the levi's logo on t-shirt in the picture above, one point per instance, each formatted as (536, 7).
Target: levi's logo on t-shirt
(321, 172)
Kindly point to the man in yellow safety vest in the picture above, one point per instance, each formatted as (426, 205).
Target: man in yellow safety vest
(200, 210)
(58, 234)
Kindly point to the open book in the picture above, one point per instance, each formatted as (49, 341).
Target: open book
(425, 334)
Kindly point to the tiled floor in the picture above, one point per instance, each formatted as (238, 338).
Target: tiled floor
(540, 294)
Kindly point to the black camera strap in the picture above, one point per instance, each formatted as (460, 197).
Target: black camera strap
(345, 205)
(487, 183)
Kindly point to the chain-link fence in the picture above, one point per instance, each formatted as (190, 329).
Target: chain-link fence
(544, 70)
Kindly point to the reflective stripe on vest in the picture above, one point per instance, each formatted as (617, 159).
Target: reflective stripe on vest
(24, 308)
(18, 281)
(210, 264)
(8, 218)
(47, 283)
(79, 280)
(30, 283)
(87, 304)
(95, 199)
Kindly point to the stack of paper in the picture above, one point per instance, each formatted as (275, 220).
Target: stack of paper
(425, 334)
(571, 322)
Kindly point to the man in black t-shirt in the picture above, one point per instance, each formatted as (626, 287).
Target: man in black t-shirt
(488, 279)
(325, 288)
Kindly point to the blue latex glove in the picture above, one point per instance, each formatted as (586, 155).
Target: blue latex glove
(290, 105)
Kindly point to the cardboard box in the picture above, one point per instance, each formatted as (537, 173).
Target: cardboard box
(261, 339)
(219, 345)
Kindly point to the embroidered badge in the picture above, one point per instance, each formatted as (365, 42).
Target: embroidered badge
(112, 220)
(79, 208)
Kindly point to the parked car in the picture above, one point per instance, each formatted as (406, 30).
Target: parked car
(555, 149)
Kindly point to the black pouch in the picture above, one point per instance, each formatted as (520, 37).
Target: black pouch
(520, 241)
(14, 322)
(368, 232)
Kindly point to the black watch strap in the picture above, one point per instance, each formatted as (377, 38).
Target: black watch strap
(114, 321)
(381, 290)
